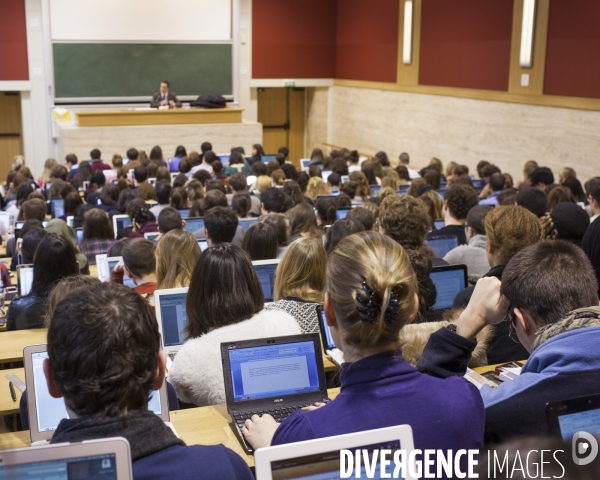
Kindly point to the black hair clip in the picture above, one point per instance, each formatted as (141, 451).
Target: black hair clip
(371, 304)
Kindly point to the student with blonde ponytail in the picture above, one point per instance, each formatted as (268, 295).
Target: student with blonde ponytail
(370, 294)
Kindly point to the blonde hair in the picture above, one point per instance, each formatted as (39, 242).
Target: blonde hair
(316, 186)
(48, 166)
(371, 261)
(301, 272)
(566, 172)
(263, 182)
(63, 288)
(438, 202)
(438, 163)
(176, 254)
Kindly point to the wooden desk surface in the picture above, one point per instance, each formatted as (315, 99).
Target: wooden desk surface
(195, 426)
(7, 405)
(94, 271)
(172, 116)
(13, 343)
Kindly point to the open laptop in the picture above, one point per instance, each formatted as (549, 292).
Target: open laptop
(120, 222)
(45, 412)
(336, 355)
(266, 270)
(203, 244)
(325, 174)
(375, 189)
(439, 224)
(441, 244)
(24, 279)
(246, 223)
(193, 224)
(341, 213)
(105, 265)
(79, 232)
(153, 236)
(70, 221)
(5, 220)
(305, 164)
(185, 213)
(174, 176)
(345, 179)
(448, 281)
(108, 459)
(320, 458)
(57, 207)
(568, 417)
(276, 375)
(172, 318)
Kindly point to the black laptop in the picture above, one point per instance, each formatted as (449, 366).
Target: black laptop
(568, 417)
(441, 244)
(274, 376)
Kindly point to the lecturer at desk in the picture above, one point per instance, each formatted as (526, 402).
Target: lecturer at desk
(164, 97)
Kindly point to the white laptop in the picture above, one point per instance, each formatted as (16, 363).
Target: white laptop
(336, 355)
(45, 412)
(108, 458)
(70, 221)
(304, 164)
(266, 270)
(105, 266)
(172, 318)
(153, 236)
(24, 279)
(203, 244)
(5, 221)
(152, 181)
(120, 222)
(320, 458)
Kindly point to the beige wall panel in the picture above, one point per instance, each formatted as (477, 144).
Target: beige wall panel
(316, 121)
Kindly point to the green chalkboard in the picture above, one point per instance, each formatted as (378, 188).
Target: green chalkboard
(83, 70)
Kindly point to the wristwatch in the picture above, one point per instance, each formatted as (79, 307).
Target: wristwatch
(452, 328)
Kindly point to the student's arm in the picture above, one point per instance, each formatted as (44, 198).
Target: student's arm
(448, 353)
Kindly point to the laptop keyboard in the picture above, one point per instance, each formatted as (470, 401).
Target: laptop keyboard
(279, 414)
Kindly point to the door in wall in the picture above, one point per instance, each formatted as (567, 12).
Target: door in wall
(281, 112)
(10, 130)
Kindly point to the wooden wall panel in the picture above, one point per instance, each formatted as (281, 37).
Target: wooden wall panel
(466, 43)
(13, 41)
(573, 53)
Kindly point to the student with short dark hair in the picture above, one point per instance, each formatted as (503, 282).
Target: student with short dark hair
(139, 264)
(220, 225)
(125, 368)
(162, 192)
(459, 200)
(97, 163)
(225, 302)
(541, 177)
(363, 216)
(570, 222)
(340, 230)
(371, 294)
(549, 298)
(533, 199)
(496, 185)
(260, 242)
(54, 259)
(169, 219)
(98, 235)
(34, 209)
(272, 200)
(72, 164)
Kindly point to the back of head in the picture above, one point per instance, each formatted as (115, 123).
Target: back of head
(372, 287)
(140, 173)
(258, 169)
(54, 259)
(534, 200)
(279, 223)
(327, 210)
(34, 209)
(169, 219)
(363, 216)
(241, 203)
(31, 240)
(97, 225)
(542, 176)
(178, 198)
(95, 154)
(60, 172)
(404, 158)
(138, 256)
(461, 199)
(549, 279)
(404, 219)
(303, 220)
(132, 154)
(340, 230)
(221, 224)
(507, 196)
(574, 185)
(260, 242)
(176, 255)
(301, 272)
(71, 159)
(205, 147)
(273, 200)
(558, 195)
(497, 181)
(63, 288)
(238, 182)
(510, 229)
(476, 217)
(162, 191)
(570, 221)
(215, 185)
(591, 246)
(226, 290)
(98, 178)
(89, 355)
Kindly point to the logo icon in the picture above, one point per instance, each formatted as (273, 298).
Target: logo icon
(585, 448)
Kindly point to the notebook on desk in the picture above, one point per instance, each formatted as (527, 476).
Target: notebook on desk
(266, 271)
(319, 459)
(277, 375)
(172, 319)
(334, 353)
(448, 281)
(108, 459)
(45, 412)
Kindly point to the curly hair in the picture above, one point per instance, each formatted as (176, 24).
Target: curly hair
(427, 292)
(404, 219)
(461, 199)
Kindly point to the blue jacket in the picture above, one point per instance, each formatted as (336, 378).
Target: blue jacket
(565, 366)
(382, 391)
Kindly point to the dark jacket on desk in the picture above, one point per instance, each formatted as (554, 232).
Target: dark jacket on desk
(383, 390)
(565, 364)
(155, 450)
(158, 97)
(26, 312)
(502, 348)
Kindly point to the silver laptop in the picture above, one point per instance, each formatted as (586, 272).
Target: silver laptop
(266, 272)
(246, 223)
(5, 220)
(108, 459)
(105, 265)
(320, 458)
(193, 224)
(24, 279)
(120, 222)
(172, 319)
(45, 412)
(153, 236)
(334, 353)
(70, 221)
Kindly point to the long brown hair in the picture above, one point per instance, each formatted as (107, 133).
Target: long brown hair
(96, 225)
(303, 220)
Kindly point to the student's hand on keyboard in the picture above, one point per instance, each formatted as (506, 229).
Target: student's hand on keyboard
(316, 406)
(258, 431)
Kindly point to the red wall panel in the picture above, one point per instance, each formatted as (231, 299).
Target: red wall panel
(573, 54)
(13, 41)
(367, 40)
(466, 43)
(293, 39)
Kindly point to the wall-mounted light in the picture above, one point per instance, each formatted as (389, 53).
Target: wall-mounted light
(408, 27)
(527, 31)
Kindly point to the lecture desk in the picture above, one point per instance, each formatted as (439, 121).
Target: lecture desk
(13, 343)
(195, 426)
(7, 404)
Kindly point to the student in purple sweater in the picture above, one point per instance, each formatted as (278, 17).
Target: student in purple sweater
(105, 358)
(370, 295)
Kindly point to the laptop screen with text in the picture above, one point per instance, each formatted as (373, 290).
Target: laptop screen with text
(274, 370)
(266, 277)
(94, 466)
(442, 245)
(448, 282)
(174, 318)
